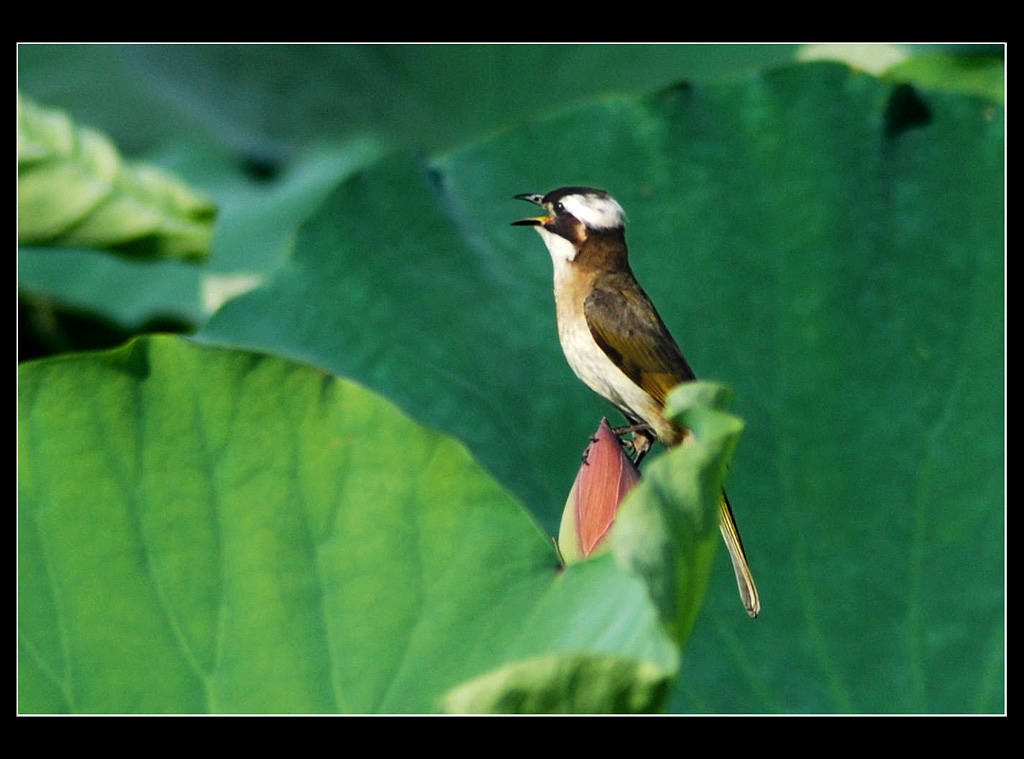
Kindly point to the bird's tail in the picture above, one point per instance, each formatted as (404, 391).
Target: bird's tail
(744, 579)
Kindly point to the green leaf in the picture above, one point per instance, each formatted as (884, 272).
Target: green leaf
(202, 530)
(828, 244)
(268, 102)
(969, 69)
(982, 75)
(124, 292)
(563, 685)
(74, 189)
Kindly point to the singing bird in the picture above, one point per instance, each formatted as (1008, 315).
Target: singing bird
(611, 334)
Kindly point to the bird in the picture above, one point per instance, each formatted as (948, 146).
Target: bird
(612, 335)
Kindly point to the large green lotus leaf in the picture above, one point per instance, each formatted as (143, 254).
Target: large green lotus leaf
(203, 530)
(267, 101)
(831, 246)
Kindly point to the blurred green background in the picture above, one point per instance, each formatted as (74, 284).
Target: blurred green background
(821, 227)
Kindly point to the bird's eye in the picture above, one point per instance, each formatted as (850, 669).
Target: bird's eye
(559, 208)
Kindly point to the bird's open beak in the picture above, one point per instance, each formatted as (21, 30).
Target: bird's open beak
(539, 221)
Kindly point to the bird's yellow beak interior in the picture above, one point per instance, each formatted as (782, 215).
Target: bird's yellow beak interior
(540, 221)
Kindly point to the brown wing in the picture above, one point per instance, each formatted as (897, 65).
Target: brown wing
(627, 327)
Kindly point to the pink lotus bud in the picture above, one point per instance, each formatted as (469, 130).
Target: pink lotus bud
(605, 477)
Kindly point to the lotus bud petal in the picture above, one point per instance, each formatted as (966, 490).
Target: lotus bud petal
(605, 476)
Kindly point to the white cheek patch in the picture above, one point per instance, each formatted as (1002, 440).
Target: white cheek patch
(596, 211)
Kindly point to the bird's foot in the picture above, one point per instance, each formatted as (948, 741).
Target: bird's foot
(641, 438)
